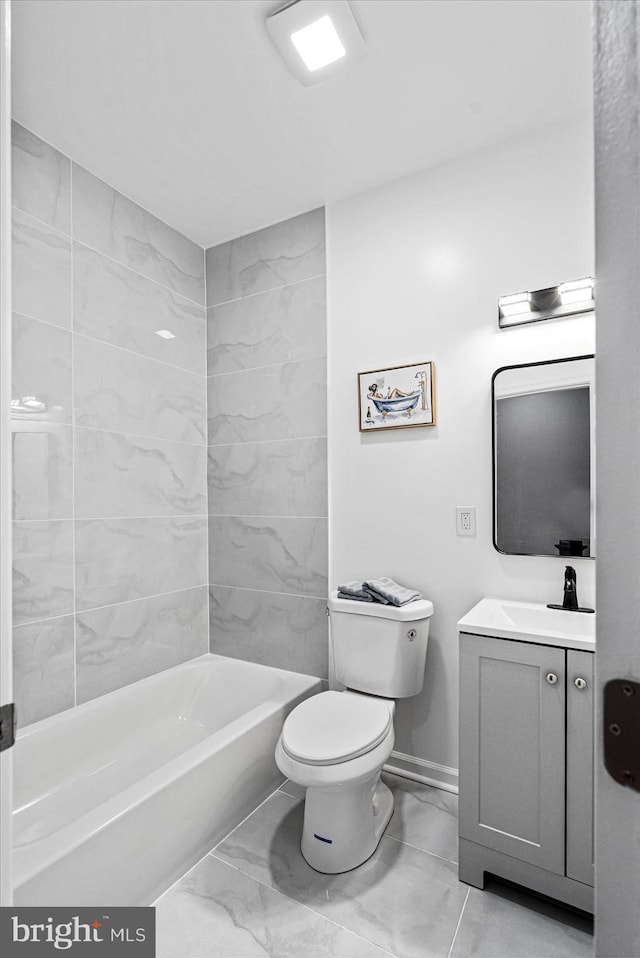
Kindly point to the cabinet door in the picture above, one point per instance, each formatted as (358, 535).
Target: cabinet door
(512, 749)
(580, 767)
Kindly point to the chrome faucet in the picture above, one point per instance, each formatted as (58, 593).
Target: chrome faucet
(570, 596)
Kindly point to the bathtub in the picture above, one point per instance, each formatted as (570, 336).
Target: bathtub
(115, 799)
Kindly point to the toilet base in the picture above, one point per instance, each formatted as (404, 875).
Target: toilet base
(343, 825)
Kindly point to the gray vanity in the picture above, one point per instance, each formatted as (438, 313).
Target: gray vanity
(526, 748)
(526, 670)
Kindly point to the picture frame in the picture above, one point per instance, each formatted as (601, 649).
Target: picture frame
(397, 397)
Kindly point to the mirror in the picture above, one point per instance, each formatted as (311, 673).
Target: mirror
(543, 458)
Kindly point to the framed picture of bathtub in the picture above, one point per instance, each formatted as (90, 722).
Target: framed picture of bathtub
(397, 397)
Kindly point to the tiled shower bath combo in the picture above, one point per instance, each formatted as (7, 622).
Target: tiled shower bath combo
(111, 572)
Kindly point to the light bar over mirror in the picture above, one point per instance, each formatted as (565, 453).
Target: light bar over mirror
(555, 302)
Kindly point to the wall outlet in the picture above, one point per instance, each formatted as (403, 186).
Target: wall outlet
(465, 520)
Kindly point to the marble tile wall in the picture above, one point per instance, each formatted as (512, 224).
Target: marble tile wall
(109, 484)
(267, 454)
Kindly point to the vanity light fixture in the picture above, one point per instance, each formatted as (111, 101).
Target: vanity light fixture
(555, 302)
(517, 304)
(577, 291)
(316, 37)
(165, 334)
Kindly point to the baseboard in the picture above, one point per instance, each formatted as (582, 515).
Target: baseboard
(419, 770)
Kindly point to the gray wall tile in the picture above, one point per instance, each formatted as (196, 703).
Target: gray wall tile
(110, 223)
(122, 559)
(276, 555)
(284, 631)
(284, 253)
(42, 470)
(41, 271)
(278, 326)
(141, 581)
(118, 305)
(43, 669)
(117, 475)
(122, 391)
(41, 367)
(42, 570)
(40, 179)
(287, 478)
(287, 401)
(123, 643)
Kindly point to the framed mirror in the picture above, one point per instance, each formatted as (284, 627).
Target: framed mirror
(543, 458)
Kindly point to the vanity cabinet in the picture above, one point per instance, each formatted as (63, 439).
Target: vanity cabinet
(526, 766)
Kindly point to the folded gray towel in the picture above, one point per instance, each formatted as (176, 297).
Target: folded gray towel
(388, 590)
(354, 590)
(356, 598)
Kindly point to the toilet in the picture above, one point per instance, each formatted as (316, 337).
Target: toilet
(335, 743)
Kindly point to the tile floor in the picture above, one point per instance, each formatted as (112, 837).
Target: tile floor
(254, 894)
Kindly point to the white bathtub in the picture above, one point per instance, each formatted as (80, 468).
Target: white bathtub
(115, 799)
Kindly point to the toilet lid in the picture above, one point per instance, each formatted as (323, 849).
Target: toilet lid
(334, 727)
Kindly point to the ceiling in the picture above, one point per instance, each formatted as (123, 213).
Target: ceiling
(186, 107)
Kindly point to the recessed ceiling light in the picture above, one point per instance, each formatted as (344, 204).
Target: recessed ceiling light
(318, 44)
(165, 333)
(316, 38)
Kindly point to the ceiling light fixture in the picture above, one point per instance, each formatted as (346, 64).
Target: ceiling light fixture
(316, 38)
(165, 334)
(567, 299)
(318, 44)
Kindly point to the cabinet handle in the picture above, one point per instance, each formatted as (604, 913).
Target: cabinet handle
(580, 684)
(552, 678)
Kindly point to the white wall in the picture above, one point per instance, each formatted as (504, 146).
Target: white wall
(414, 271)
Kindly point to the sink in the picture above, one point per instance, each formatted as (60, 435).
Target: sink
(531, 622)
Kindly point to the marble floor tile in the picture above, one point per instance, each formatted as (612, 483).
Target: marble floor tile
(503, 922)
(423, 816)
(403, 899)
(217, 912)
(293, 789)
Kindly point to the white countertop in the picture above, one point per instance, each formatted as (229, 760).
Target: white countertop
(531, 622)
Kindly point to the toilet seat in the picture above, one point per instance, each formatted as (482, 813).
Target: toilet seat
(335, 727)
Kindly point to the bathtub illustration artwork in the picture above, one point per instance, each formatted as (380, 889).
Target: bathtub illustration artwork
(391, 398)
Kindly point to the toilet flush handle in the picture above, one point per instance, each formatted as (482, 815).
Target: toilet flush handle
(412, 634)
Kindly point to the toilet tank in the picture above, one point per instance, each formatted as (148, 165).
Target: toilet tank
(380, 649)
